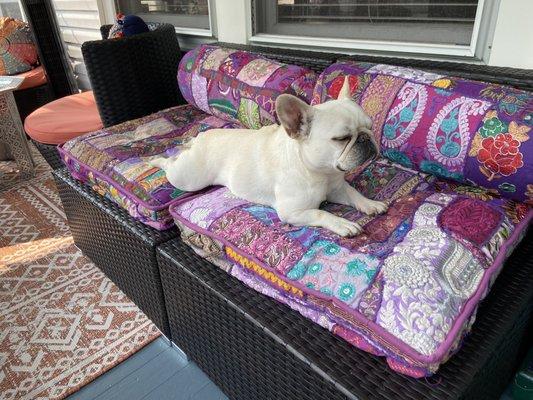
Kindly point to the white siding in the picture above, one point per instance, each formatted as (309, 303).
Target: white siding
(79, 21)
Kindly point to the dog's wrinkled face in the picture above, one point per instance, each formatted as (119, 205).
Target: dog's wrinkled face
(334, 136)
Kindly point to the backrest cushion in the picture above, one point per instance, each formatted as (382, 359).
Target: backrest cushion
(240, 86)
(467, 131)
(18, 53)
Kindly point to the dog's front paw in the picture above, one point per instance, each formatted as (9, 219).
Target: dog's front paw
(345, 228)
(372, 207)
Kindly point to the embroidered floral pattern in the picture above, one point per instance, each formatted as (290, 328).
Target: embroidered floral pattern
(509, 101)
(443, 83)
(497, 147)
(492, 126)
(500, 155)
(332, 270)
(405, 270)
(338, 82)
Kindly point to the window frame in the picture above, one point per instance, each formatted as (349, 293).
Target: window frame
(208, 33)
(478, 49)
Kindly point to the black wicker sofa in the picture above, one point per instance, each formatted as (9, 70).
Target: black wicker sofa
(254, 347)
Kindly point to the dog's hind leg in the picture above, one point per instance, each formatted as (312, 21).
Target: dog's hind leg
(160, 162)
(184, 171)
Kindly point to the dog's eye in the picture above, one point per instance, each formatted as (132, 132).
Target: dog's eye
(342, 138)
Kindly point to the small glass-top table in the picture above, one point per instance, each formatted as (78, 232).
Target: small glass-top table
(11, 131)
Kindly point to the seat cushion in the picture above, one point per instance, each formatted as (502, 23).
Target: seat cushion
(467, 131)
(407, 288)
(239, 85)
(64, 119)
(33, 78)
(114, 160)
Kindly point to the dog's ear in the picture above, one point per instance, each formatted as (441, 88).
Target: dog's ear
(344, 93)
(295, 115)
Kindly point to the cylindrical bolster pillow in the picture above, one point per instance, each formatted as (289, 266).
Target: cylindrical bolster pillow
(240, 86)
(467, 131)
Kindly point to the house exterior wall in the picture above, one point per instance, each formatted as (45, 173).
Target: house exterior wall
(512, 45)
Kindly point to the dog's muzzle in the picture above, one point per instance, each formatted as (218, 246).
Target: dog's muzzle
(357, 152)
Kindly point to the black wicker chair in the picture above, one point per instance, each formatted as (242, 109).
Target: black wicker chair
(134, 76)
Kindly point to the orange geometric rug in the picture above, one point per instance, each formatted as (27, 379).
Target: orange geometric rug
(62, 322)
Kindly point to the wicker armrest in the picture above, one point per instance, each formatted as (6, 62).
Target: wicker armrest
(134, 76)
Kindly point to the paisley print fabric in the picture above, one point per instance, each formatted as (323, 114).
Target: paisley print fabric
(240, 86)
(114, 160)
(404, 117)
(432, 130)
(405, 288)
(471, 132)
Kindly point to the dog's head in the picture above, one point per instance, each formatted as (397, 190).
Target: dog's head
(333, 136)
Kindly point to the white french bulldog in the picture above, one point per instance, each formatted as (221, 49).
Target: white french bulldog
(293, 167)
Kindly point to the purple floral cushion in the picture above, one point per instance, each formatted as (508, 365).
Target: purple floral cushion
(238, 85)
(467, 131)
(407, 288)
(114, 160)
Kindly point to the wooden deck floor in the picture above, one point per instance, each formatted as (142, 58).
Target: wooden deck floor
(156, 372)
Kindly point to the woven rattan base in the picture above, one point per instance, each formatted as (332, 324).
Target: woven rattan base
(256, 348)
(29, 100)
(50, 154)
(123, 248)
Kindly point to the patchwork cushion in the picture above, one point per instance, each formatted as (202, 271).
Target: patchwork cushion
(467, 131)
(17, 51)
(238, 85)
(407, 288)
(114, 160)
